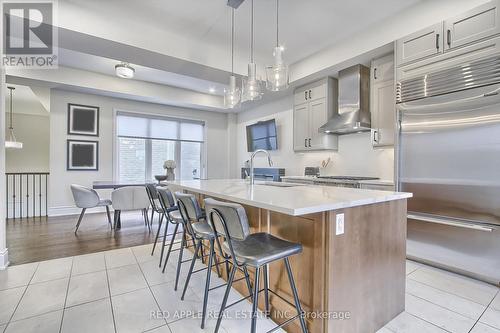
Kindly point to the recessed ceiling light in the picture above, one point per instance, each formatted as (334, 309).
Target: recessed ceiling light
(124, 70)
(211, 90)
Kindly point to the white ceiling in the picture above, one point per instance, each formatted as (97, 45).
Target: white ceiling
(198, 30)
(107, 66)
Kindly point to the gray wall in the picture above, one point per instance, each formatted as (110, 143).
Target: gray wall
(34, 132)
(60, 201)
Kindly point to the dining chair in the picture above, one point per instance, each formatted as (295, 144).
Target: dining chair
(85, 198)
(130, 198)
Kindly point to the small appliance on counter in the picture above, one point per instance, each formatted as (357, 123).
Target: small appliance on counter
(267, 174)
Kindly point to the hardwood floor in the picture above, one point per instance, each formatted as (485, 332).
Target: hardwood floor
(30, 240)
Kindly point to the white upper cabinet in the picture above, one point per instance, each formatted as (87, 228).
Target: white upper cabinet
(383, 101)
(314, 104)
(421, 44)
(479, 23)
(466, 30)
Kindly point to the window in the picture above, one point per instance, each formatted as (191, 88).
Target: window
(145, 142)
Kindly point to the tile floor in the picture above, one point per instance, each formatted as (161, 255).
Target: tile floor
(116, 291)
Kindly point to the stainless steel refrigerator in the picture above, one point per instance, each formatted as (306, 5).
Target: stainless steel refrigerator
(448, 155)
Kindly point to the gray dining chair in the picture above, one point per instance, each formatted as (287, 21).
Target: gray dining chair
(127, 199)
(88, 198)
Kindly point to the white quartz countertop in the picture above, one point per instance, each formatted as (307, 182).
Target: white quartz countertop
(297, 200)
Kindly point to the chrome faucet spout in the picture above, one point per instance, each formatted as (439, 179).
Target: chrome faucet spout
(269, 160)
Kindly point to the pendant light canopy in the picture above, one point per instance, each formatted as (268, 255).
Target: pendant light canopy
(277, 77)
(232, 95)
(252, 89)
(11, 141)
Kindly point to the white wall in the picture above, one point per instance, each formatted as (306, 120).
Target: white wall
(355, 157)
(60, 201)
(33, 132)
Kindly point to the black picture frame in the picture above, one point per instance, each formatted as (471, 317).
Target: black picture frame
(87, 160)
(85, 121)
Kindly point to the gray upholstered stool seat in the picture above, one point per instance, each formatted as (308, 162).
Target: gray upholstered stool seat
(262, 248)
(105, 202)
(176, 217)
(203, 230)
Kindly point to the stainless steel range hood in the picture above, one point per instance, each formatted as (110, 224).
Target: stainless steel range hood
(353, 115)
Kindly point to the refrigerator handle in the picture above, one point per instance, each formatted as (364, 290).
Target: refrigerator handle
(450, 222)
(406, 107)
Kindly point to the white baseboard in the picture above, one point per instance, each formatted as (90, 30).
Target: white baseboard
(72, 210)
(4, 259)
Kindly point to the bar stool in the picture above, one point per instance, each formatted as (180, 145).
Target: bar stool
(201, 231)
(171, 214)
(255, 250)
(154, 200)
(189, 211)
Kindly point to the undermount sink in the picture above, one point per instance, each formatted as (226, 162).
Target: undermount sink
(278, 184)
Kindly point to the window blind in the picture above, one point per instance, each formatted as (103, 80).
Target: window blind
(161, 128)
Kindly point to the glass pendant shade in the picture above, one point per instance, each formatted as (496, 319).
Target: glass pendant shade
(277, 77)
(232, 95)
(252, 87)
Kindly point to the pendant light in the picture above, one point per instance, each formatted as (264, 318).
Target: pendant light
(277, 77)
(11, 141)
(232, 95)
(252, 89)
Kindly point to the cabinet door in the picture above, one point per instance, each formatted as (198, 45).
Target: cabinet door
(301, 127)
(382, 69)
(476, 24)
(421, 44)
(300, 96)
(318, 116)
(383, 113)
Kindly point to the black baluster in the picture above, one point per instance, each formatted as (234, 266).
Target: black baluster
(20, 196)
(46, 196)
(39, 195)
(14, 196)
(27, 197)
(34, 204)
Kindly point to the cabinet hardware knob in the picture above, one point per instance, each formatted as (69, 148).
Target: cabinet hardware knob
(305, 143)
(437, 41)
(448, 37)
(375, 73)
(309, 94)
(309, 142)
(305, 94)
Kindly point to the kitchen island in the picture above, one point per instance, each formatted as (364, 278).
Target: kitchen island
(350, 280)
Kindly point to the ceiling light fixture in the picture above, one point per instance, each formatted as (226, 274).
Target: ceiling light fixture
(124, 70)
(277, 77)
(11, 141)
(252, 89)
(232, 95)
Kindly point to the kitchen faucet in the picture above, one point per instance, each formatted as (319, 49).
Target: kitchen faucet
(252, 176)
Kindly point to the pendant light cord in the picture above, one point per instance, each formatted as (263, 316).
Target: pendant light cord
(277, 22)
(232, 41)
(10, 116)
(251, 36)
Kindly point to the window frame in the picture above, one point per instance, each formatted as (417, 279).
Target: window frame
(148, 142)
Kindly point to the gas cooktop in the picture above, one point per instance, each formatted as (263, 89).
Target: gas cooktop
(348, 178)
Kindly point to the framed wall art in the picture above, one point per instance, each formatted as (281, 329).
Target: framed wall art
(82, 155)
(83, 120)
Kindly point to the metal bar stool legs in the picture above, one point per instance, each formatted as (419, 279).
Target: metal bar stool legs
(158, 232)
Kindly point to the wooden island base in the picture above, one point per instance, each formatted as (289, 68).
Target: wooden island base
(354, 282)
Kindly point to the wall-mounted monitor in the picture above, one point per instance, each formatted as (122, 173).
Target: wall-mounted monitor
(262, 135)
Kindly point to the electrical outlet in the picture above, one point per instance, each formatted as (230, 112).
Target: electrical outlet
(339, 224)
